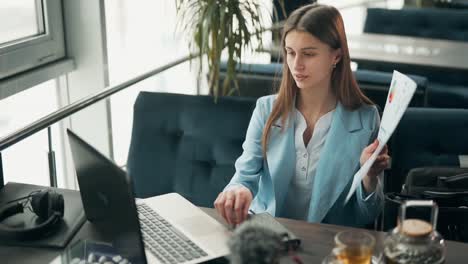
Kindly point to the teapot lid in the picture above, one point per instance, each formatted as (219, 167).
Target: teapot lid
(415, 228)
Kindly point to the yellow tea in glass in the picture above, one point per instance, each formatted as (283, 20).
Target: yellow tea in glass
(354, 247)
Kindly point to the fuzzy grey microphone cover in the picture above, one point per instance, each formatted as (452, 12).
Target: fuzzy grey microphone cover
(256, 244)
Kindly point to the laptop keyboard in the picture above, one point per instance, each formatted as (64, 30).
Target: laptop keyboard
(163, 239)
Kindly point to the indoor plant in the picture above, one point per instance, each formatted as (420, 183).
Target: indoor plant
(218, 25)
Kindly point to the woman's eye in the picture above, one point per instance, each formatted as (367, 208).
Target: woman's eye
(309, 54)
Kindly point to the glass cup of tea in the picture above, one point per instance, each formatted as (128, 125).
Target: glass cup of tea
(352, 247)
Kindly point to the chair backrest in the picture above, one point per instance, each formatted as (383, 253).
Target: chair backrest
(427, 137)
(289, 7)
(444, 96)
(186, 144)
(256, 80)
(438, 23)
(375, 85)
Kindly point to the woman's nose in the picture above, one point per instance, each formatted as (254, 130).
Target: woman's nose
(298, 63)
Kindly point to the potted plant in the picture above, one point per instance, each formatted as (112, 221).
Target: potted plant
(221, 25)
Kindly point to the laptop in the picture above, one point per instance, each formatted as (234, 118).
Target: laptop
(161, 229)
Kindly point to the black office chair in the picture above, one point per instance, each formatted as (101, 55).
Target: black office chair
(186, 144)
(427, 137)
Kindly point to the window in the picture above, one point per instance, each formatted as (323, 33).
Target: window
(18, 111)
(26, 22)
(31, 34)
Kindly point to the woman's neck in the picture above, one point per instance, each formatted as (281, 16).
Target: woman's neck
(315, 103)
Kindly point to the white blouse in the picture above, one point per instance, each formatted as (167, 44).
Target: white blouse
(307, 157)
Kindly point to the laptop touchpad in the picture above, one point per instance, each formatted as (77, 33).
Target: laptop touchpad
(199, 226)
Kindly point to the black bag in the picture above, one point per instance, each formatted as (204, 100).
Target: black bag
(448, 187)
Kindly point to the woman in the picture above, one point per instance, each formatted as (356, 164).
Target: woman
(304, 144)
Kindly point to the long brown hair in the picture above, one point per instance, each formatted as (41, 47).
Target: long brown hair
(326, 24)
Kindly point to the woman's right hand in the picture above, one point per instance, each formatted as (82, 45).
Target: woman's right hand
(233, 204)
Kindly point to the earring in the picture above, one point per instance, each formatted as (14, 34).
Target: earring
(334, 65)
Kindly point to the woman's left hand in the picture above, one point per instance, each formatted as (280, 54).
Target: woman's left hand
(381, 162)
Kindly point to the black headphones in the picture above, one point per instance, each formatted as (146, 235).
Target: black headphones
(46, 204)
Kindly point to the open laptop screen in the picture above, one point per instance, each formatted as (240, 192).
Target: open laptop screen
(108, 200)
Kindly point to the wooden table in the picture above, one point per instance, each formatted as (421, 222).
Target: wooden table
(409, 50)
(317, 242)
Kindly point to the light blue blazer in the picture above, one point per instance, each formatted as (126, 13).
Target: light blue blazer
(268, 180)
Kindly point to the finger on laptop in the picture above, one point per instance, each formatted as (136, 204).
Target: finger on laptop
(246, 210)
(239, 208)
(219, 204)
(229, 206)
(245, 205)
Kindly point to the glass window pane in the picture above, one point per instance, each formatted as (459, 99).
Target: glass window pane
(20, 19)
(132, 51)
(26, 161)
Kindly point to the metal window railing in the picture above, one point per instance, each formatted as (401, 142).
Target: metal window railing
(70, 109)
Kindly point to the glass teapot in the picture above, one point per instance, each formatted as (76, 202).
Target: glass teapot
(415, 240)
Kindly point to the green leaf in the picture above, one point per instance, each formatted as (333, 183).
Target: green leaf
(217, 26)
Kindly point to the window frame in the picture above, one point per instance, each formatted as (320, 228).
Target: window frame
(30, 52)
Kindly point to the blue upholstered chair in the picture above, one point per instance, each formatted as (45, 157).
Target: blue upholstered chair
(186, 144)
(428, 140)
(375, 85)
(447, 88)
(437, 23)
(443, 96)
(427, 137)
(256, 80)
(289, 6)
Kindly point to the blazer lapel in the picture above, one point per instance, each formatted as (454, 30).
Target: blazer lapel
(338, 162)
(281, 159)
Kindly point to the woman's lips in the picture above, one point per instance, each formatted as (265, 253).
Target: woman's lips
(300, 77)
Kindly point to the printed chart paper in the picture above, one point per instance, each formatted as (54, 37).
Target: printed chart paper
(401, 91)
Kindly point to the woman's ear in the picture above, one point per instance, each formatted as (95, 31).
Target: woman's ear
(337, 56)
